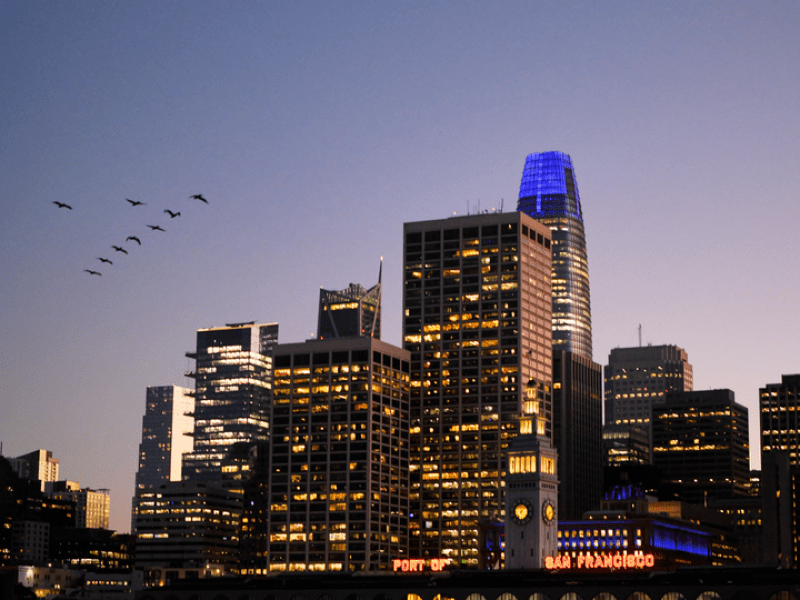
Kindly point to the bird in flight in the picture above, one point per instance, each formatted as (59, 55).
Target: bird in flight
(61, 204)
(156, 228)
(199, 197)
(118, 249)
(134, 238)
(172, 215)
(105, 260)
(135, 202)
(90, 272)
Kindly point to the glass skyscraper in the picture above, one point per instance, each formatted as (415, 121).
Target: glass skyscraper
(549, 194)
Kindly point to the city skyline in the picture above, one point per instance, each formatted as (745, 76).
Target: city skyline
(315, 134)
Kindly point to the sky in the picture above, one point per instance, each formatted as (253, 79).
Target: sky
(316, 129)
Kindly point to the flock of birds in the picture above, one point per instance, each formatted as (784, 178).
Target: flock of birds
(131, 238)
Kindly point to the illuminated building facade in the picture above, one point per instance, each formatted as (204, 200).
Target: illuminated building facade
(779, 405)
(549, 193)
(189, 525)
(233, 380)
(623, 444)
(477, 305)
(700, 442)
(333, 495)
(91, 506)
(166, 425)
(638, 377)
(352, 312)
(532, 511)
(38, 465)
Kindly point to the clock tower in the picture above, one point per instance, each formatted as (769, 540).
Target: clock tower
(531, 525)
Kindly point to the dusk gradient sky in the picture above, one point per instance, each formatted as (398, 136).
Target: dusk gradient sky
(315, 129)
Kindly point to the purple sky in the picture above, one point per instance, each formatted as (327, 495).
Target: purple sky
(315, 129)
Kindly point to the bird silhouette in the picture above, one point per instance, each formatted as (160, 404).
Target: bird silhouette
(156, 228)
(135, 202)
(90, 272)
(134, 238)
(172, 215)
(105, 260)
(199, 197)
(61, 204)
(118, 249)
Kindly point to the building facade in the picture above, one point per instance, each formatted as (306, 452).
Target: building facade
(332, 494)
(638, 377)
(233, 380)
(38, 465)
(477, 321)
(166, 427)
(700, 442)
(92, 507)
(352, 312)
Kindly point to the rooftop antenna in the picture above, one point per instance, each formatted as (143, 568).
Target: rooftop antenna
(501, 205)
(640, 335)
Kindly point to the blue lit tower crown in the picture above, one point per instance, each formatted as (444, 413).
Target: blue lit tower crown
(549, 194)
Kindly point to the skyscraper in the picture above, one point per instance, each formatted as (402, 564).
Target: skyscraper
(700, 441)
(233, 380)
(333, 495)
(638, 377)
(477, 304)
(166, 425)
(352, 312)
(38, 465)
(549, 193)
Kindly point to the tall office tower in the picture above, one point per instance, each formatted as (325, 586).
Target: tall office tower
(531, 491)
(780, 464)
(166, 428)
(477, 304)
(352, 312)
(638, 377)
(700, 442)
(233, 381)
(92, 507)
(577, 432)
(334, 495)
(38, 465)
(549, 193)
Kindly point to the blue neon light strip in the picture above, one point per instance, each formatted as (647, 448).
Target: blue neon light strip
(543, 191)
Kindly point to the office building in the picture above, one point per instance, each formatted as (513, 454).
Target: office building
(638, 377)
(166, 426)
(189, 525)
(549, 193)
(352, 312)
(92, 507)
(334, 493)
(700, 442)
(779, 405)
(623, 444)
(38, 465)
(477, 305)
(233, 380)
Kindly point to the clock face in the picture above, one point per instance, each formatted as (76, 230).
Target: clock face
(548, 512)
(522, 512)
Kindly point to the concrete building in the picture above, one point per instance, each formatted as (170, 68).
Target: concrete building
(477, 321)
(38, 465)
(92, 507)
(700, 442)
(233, 380)
(332, 494)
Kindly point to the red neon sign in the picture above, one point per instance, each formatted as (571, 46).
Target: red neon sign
(607, 561)
(412, 565)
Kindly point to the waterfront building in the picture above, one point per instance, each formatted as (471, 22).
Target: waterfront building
(700, 442)
(477, 321)
(233, 380)
(331, 492)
